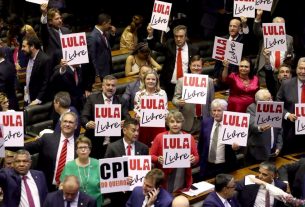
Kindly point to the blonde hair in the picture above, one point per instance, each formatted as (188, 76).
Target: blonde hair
(143, 86)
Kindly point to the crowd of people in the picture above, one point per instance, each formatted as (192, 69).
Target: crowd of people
(67, 165)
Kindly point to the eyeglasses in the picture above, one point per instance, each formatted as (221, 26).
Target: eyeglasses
(83, 148)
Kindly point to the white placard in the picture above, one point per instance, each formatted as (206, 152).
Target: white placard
(107, 119)
(38, 1)
(176, 150)
(275, 36)
(160, 15)
(234, 128)
(153, 111)
(74, 48)
(300, 122)
(138, 167)
(227, 50)
(244, 8)
(2, 148)
(195, 87)
(264, 5)
(269, 112)
(114, 174)
(13, 128)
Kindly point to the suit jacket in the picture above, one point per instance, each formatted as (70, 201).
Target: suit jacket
(40, 75)
(273, 83)
(212, 200)
(47, 147)
(164, 198)
(57, 199)
(259, 143)
(130, 93)
(117, 149)
(247, 193)
(294, 173)
(189, 110)
(100, 52)
(10, 182)
(204, 145)
(260, 62)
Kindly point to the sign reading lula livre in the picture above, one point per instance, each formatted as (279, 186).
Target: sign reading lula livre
(244, 8)
(227, 50)
(2, 148)
(275, 36)
(107, 119)
(160, 15)
(38, 1)
(268, 112)
(114, 174)
(234, 128)
(176, 150)
(153, 109)
(13, 128)
(74, 48)
(195, 87)
(263, 4)
(138, 167)
(300, 122)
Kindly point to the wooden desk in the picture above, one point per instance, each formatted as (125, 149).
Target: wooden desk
(119, 52)
(295, 156)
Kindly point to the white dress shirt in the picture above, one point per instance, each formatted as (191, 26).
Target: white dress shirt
(261, 197)
(185, 62)
(224, 201)
(220, 151)
(74, 202)
(34, 191)
(132, 148)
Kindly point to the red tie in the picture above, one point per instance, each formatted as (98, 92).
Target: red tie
(61, 162)
(28, 192)
(267, 199)
(277, 61)
(75, 76)
(129, 149)
(198, 110)
(179, 64)
(303, 94)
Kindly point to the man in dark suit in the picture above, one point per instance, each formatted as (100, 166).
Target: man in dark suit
(223, 194)
(128, 145)
(294, 174)
(99, 46)
(50, 147)
(99, 144)
(151, 193)
(37, 72)
(263, 140)
(69, 195)
(215, 157)
(171, 50)
(290, 93)
(257, 195)
(51, 29)
(22, 186)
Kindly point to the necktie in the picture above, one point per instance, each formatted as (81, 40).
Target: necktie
(108, 100)
(179, 64)
(129, 149)
(198, 110)
(303, 94)
(277, 61)
(75, 76)
(62, 161)
(68, 204)
(105, 39)
(212, 154)
(267, 199)
(28, 192)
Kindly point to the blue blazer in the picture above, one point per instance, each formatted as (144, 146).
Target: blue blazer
(214, 201)
(164, 198)
(130, 93)
(10, 182)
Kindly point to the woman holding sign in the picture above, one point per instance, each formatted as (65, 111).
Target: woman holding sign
(150, 88)
(86, 169)
(178, 179)
(243, 85)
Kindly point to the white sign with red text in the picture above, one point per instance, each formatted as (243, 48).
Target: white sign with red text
(300, 122)
(74, 48)
(107, 119)
(160, 15)
(38, 1)
(153, 111)
(244, 8)
(195, 88)
(13, 128)
(227, 50)
(138, 167)
(176, 150)
(268, 112)
(2, 148)
(234, 128)
(264, 5)
(275, 36)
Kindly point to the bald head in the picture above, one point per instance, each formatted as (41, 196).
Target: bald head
(70, 187)
(180, 201)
